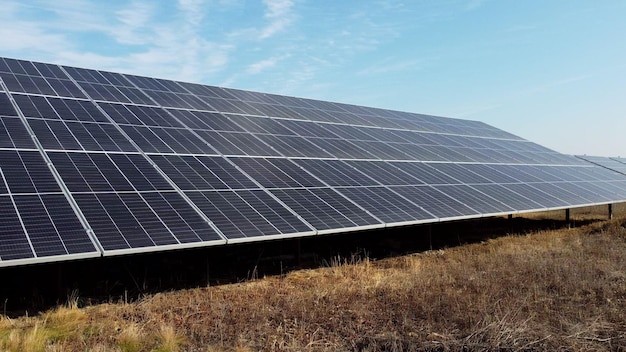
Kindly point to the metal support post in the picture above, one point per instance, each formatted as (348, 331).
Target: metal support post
(610, 211)
(567, 218)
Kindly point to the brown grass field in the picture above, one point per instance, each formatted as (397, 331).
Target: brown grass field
(549, 290)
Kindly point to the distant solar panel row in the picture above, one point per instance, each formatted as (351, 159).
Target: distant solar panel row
(99, 163)
(615, 164)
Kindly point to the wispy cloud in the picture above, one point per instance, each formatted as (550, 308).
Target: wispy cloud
(192, 10)
(263, 65)
(29, 37)
(474, 4)
(391, 65)
(134, 22)
(136, 37)
(279, 14)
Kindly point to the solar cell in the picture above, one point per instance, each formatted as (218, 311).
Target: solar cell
(6, 109)
(437, 203)
(459, 173)
(614, 164)
(342, 149)
(245, 214)
(50, 71)
(490, 173)
(235, 143)
(425, 173)
(532, 191)
(336, 172)
(14, 244)
(617, 187)
(27, 172)
(385, 204)
(13, 134)
(271, 176)
(382, 150)
(188, 173)
(385, 173)
(509, 197)
(52, 226)
(324, 209)
(479, 201)
(292, 146)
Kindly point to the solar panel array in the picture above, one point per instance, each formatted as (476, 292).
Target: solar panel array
(615, 164)
(99, 163)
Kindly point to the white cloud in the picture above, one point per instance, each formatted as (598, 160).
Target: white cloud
(192, 10)
(263, 65)
(29, 37)
(143, 39)
(136, 15)
(388, 66)
(279, 13)
(134, 22)
(474, 4)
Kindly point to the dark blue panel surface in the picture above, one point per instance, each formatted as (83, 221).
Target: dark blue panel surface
(323, 208)
(385, 204)
(474, 199)
(52, 225)
(509, 197)
(425, 173)
(188, 173)
(272, 211)
(276, 173)
(6, 108)
(27, 172)
(293, 146)
(13, 241)
(436, 202)
(231, 143)
(246, 214)
(13, 134)
(115, 226)
(550, 200)
(182, 220)
(336, 173)
(385, 173)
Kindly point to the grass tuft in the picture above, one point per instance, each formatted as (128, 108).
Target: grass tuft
(130, 339)
(169, 339)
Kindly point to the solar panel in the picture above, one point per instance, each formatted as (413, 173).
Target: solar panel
(38, 222)
(99, 163)
(615, 164)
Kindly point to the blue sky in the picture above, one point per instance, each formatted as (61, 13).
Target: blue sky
(551, 71)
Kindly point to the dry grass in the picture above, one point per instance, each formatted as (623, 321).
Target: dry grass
(562, 290)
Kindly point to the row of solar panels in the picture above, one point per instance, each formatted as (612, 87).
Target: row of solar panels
(129, 204)
(96, 163)
(53, 80)
(292, 127)
(65, 124)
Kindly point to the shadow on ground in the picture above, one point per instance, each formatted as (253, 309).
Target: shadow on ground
(30, 289)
